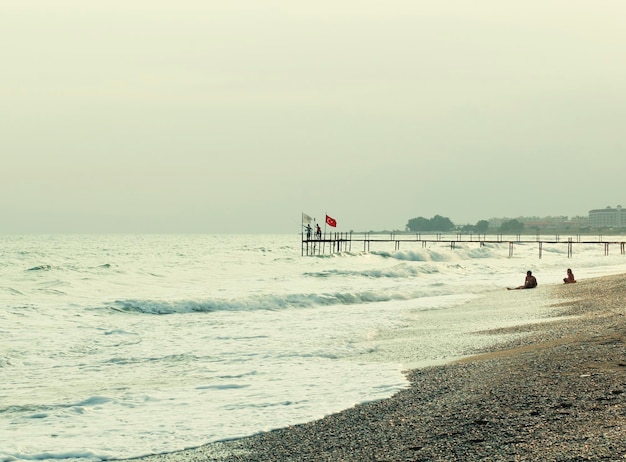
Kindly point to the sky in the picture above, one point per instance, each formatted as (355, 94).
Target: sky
(206, 116)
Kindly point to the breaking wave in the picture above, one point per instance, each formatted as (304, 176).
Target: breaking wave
(443, 254)
(271, 302)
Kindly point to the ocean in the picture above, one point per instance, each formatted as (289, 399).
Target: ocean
(118, 346)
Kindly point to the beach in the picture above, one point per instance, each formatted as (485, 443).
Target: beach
(556, 394)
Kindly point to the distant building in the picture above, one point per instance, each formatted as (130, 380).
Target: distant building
(543, 222)
(579, 221)
(608, 217)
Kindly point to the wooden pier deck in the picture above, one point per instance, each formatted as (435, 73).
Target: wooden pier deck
(336, 242)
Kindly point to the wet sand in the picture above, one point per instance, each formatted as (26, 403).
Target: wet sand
(557, 394)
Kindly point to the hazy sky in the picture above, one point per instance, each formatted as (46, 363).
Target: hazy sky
(236, 116)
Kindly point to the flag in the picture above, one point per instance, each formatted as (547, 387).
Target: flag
(331, 221)
(306, 218)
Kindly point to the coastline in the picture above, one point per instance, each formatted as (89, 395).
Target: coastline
(556, 394)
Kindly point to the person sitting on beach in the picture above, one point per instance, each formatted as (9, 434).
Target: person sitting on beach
(529, 283)
(570, 277)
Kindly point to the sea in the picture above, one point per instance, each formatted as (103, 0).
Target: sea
(120, 346)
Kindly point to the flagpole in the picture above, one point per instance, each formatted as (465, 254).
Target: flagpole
(324, 247)
(314, 248)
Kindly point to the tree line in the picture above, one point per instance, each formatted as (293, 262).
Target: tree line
(439, 223)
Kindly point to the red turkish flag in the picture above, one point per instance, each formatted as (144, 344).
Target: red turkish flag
(331, 221)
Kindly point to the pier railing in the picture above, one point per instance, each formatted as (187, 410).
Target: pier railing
(336, 242)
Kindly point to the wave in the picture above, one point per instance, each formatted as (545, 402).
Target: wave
(41, 268)
(41, 411)
(61, 456)
(12, 291)
(442, 254)
(271, 302)
(70, 267)
(398, 271)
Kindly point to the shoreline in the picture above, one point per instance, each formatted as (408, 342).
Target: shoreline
(556, 394)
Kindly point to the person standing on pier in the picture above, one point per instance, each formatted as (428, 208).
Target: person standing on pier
(308, 231)
(529, 283)
(318, 232)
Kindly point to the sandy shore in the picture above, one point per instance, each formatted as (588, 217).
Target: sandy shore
(558, 394)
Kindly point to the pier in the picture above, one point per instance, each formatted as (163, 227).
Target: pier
(337, 242)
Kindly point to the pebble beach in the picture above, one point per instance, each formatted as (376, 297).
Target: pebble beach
(557, 393)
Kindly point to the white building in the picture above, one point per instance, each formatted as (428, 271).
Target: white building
(608, 217)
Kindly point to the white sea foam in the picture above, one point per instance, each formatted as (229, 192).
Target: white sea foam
(119, 346)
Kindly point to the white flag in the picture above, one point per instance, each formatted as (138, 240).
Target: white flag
(306, 218)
